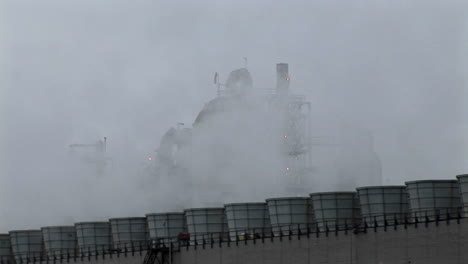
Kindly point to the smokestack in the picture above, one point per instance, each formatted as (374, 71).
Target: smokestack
(282, 79)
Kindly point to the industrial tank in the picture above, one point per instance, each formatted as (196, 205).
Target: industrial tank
(432, 199)
(206, 224)
(247, 220)
(335, 210)
(380, 204)
(26, 245)
(129, 232)
(59, 241)
(6, 256)
(290, 214)
(93, 237)
(166, 226)
(463, 184)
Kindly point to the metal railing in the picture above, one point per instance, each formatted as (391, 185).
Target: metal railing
(253, 235)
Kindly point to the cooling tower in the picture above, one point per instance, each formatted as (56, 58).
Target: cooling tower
(93, 237)
(129, 232)
(434, 198)
(59, 241)
(166, 226)
(206, 224)
(247, 220)
(463, 183)
(335, 210)
(290, 214)
(6, 256)
(26, 245)
(380, 204)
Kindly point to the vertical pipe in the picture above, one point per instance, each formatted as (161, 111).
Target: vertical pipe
(282, 79)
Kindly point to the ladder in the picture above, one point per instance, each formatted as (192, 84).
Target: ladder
(158, 253)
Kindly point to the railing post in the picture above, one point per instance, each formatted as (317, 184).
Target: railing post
(263, 235)
(346, 226)
(427, 220)
(326, 229)
(237, 239)
(254, 236)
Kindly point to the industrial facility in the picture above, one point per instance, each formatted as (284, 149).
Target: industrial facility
(264, 139)
(296, 220)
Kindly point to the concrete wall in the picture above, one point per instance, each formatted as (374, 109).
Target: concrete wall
(445, 243)
(431, 244)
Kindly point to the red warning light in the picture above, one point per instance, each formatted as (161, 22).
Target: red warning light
(150, 159)
(288, 79)
(285, 136)
(287, 169)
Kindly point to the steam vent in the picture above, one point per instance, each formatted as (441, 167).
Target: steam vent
(354, 220)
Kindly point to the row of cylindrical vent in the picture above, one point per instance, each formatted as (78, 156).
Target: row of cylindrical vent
(324, 211)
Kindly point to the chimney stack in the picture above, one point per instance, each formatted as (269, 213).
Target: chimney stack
(282, 79)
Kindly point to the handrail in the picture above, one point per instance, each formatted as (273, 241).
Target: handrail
(236, 235)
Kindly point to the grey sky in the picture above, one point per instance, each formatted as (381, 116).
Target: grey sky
(75, 71)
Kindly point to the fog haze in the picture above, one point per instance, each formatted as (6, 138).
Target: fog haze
(78, 71)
